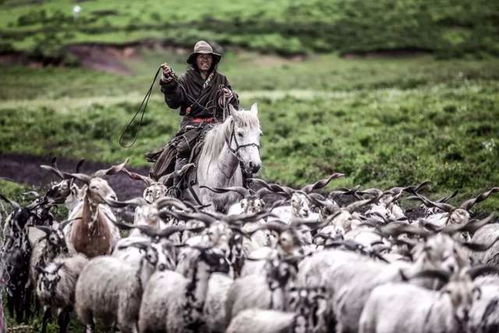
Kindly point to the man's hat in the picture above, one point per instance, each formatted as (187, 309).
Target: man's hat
(203, 47)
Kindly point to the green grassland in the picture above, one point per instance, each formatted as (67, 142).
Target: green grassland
(382, 122)
(449, 28)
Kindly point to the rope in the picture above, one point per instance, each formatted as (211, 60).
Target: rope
(132, 129)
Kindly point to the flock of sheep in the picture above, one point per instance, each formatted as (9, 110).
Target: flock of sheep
(279, 260)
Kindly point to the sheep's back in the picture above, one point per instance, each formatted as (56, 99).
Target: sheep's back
(261, 321)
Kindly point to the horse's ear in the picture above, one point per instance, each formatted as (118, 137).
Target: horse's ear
(254, 108)
(232, 110)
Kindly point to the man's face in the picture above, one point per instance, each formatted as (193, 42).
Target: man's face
(204, 61)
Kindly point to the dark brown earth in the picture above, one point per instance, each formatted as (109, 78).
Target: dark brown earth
(25, 169)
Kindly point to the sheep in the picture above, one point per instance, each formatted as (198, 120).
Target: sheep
(127, 250)
(263, 291)
(300, 201)
(56, 287)
(305, 314)
(174, 302)
(109, 290)
(49, 245)
(390, 308)
(484, 313)
(450, 214)
(261, 321)
(94, 233)
(214, 305)
(350, 278)
(16, 253)
(251, 202)
(486, 234)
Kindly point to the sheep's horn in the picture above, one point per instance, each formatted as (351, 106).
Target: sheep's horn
(177, 173)
(440, 205)
(471, 226)
(14, 204)
(273, 187)
(133, 175)
(120, 204)
(321, 183)
(279, 227)
(43, 228)
(110, 171)
(432, 273)
(53, 170)
(476, 271)
(183, 216)
(139, 245)
(479, 247)
(242, 191)
(447, 198)
(80, 176)
(79, 164)
(63, 224)
(245, 218)
(171, 201)
(470, 203)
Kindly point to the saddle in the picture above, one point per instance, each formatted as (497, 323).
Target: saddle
(188, 138)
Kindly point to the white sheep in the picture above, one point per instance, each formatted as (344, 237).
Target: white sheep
(397, 307)
(174, 302)
(109, 290)
(56, 287)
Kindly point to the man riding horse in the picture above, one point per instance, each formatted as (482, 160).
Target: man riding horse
(203, 96)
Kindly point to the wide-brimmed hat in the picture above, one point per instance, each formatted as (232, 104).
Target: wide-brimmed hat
(203, 47)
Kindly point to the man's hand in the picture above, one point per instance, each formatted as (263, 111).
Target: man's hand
(227, 93)
(168, 74)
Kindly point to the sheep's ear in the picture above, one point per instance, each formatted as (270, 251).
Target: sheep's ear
(254, 108)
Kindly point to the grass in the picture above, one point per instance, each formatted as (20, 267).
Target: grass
(383, 122)
(448, 28)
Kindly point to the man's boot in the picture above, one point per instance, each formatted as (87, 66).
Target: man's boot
(176, 190)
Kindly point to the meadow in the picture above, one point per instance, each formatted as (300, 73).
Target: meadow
(382, 122)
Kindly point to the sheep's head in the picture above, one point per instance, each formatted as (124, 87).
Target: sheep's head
(461, 293)
(441, 251)
(252, 205)
(280, 272)
(48, 279)
(300, 205)
(155, 192)
(215, 259)
(99, 190)
(458, 216)
(310, 305)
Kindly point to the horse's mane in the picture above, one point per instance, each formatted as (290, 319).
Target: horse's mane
(214, 140)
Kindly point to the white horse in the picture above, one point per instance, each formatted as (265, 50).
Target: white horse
(229, 150)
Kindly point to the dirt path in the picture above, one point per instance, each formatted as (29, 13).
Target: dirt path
(25, 169)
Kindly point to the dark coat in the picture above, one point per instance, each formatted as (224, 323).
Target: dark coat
(196, 97)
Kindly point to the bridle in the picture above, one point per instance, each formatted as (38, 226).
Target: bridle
(238, 146)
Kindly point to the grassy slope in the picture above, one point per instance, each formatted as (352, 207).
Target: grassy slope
(446, 27)
(382, 122)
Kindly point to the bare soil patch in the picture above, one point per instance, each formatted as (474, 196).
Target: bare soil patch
(25, 169)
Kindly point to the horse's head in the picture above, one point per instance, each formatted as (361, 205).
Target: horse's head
(245, 139)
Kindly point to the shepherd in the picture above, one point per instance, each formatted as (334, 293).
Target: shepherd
(203, 96)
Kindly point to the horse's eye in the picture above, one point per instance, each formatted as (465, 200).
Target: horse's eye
(240, 134)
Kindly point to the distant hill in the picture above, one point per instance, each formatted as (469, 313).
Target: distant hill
(446, 28)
